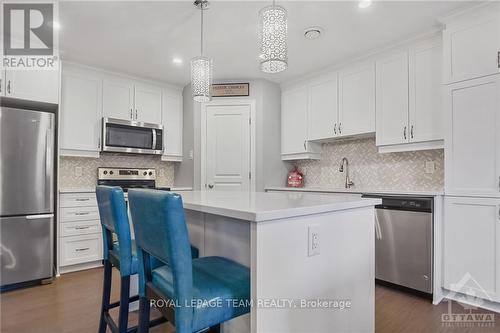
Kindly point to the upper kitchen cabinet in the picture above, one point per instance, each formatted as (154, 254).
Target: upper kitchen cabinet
(294, 144)
(392, 100)
(472, 43)
(147, 102)
(472, 159)
(33, 85)
(118, 98)
(410, 112)
(356, 100)
(322, 118)
(172, 126)
(80, 113)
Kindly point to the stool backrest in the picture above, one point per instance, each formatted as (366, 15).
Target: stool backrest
(114, 219)
(161, 231)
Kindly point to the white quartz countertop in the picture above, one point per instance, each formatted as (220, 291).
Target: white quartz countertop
(264, 206)
(355, 191)
(92, 189)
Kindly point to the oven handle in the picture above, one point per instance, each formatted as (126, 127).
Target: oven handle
(154, 139)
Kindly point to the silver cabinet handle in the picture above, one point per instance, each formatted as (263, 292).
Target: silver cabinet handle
(404, 132)
(82, 199)
(411, 132)
(335, 129)
(8, 86)
(0, 85)
(340, 128)
(498, 59)
(210, 186)
(305, 147)
(131, 114)
(82, 213)
(82, 249)
(99, 143)
(498, 183)
(135, 114)
(82, 228)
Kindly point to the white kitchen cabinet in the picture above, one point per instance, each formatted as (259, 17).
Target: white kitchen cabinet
(118, 98)
(472, 246)
(294, 144)
(172, 126)
(32, 85)
(80, 113)
(322, 118)
(392, 99)
(2, 83)
(472, 159)
(471, 43)
(147, 102)
(356, 100)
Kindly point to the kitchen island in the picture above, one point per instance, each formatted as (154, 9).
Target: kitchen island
(311, 256)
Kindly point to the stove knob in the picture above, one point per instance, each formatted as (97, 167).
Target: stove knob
(111, 172)
(145, 173)
(105, 172)
(150, 173)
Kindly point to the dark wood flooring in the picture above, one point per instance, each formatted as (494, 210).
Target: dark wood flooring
(72, 304)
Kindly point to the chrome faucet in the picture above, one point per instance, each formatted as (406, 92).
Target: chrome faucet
(348, 182)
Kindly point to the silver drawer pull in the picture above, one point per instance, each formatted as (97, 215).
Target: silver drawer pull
(82, 249)
(82, 213)
(80, 199)
(81, 228)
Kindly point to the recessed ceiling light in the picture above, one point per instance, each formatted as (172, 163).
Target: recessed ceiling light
(56, 25)
(177, 61)
(364, 4)
(313, 32)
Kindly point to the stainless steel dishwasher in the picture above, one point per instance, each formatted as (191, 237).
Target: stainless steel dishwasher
(404, 242)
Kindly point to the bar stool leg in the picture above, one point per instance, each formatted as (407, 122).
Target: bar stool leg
(106, 293)
(144, 313)
(124, 304)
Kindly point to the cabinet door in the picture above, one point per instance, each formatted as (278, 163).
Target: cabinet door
(392, 100)
(81, 110)
(473, 138)
(471, 46)
(472, 246)
(357, 100)
(118, 99)
(294, 121)
(323, 109)
(2, 83)
(147, 104)
(426, 107)
(172, 125)
(33, 85)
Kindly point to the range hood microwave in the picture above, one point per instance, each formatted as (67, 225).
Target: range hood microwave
(124, 136)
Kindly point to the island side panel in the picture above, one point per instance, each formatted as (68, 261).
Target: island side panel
(343, 270)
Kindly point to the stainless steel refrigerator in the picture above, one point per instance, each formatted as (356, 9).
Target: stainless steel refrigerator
(27, 194)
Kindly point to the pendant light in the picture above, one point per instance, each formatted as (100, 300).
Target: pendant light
(201, 67)
(273, 39)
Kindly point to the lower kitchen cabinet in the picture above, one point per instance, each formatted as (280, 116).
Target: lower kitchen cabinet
(471, 258)
(80, 234)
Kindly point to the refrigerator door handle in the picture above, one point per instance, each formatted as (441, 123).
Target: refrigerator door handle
(41, 216)
(48, 167)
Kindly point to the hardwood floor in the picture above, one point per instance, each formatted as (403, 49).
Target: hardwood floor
(72, 304)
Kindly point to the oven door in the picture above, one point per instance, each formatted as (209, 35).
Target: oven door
(125, 136)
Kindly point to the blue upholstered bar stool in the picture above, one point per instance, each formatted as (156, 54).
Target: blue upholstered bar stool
(197, 291)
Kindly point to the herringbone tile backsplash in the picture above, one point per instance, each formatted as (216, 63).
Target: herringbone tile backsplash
(69, 180)
(370, 170)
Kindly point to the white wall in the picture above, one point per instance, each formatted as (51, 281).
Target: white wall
(268, 138)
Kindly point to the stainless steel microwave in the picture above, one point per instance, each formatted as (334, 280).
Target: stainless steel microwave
(124, 136)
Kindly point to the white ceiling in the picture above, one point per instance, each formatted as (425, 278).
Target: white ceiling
(141, 38)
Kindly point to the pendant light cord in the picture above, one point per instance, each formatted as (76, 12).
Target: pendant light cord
(201, 44)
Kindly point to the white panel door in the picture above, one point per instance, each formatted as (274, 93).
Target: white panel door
(118, 99)
(357, 100)
(471, 47)
(426, 107)
(473, 139)
(294, 121)
(147, 104)
(33, 85)
(472, 246)
(228, 147)
(323, 109)
(81, 110)
(172, 125)
(392, 100)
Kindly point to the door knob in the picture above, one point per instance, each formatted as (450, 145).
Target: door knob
(210, 186)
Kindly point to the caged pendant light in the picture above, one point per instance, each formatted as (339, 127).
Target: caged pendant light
(201, 67)
(273, 39)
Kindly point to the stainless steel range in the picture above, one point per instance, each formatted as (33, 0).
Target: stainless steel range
(128, 178)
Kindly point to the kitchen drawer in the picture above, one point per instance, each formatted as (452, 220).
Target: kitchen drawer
(70, 214)
(78, 199)
(80, 249)
(80, 228)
